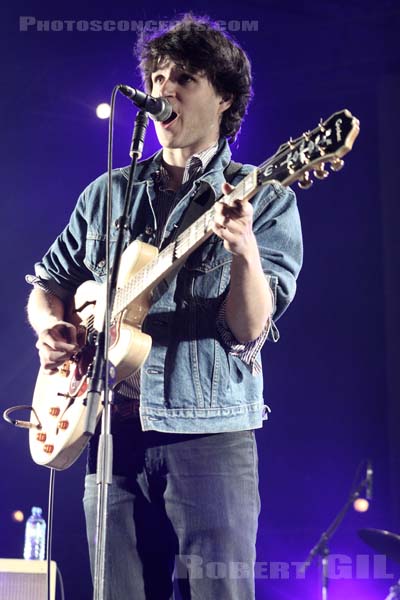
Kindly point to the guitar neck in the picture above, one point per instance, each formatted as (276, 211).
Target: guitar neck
(177, 251)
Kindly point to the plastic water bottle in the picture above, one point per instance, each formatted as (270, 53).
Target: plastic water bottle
(35, 535)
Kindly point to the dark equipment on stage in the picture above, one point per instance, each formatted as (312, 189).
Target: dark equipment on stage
(386, 543)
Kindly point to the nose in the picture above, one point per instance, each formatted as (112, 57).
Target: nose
(167, 87)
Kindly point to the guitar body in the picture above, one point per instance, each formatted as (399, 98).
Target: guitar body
(59, 399)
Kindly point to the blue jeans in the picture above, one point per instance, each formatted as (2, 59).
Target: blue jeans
(182, 515)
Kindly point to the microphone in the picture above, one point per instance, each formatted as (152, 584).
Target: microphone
(369, 481)
(159, 109)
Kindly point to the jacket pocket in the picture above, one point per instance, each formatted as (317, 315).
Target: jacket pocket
(95, 254)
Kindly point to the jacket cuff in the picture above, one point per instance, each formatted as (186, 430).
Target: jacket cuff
(248, 351)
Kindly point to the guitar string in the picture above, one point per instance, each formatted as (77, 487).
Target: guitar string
(187, 239)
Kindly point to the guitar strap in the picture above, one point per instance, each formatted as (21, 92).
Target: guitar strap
(202, 201)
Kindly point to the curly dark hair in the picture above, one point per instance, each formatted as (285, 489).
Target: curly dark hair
(200, 46)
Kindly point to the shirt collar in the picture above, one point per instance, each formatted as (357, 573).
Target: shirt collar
(195, 166)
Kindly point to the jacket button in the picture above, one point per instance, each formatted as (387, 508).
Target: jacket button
(149, 230)
(101, 264)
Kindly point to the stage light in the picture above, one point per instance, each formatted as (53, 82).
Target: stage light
(103, 110)
(361, 505)
(18, 516)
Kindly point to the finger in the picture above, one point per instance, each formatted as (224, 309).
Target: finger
(51, 344)
(221, 209)
(57, 354)
(240, 209)
(51, 356)
(223, 232)
(65, 331)
(222, 220)
(227, 188)
(58, 357)
(50, 371)
(55, 344)
(225, 215)
(59, 334)
(233, 223)
(51, 361)
(218, 230)
(50, 365)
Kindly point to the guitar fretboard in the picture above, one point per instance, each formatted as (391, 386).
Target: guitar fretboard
(176, 251)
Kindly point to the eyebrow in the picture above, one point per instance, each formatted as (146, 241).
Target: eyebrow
(178, 69)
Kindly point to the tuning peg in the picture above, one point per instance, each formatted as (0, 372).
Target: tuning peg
(305, 182)
(320, 172)
(291, 143)
(321, 125)
(337, 164)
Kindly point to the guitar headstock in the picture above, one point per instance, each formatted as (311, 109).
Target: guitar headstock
(327, 143)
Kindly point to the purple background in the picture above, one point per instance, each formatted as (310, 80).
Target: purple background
(332, 381)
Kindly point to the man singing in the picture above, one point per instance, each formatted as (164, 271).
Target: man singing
(185, 470)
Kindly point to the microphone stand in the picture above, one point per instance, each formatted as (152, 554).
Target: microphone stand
(103, 373)
(321, 547)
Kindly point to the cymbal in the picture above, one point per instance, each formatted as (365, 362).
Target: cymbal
(382, 541)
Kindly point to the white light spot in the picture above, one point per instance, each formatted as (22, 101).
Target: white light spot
(361, 505)
(17, 516)
(103, 110)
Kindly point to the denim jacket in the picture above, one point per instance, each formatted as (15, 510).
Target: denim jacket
(190, 382)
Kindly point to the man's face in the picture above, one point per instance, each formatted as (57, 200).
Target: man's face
(197, 107)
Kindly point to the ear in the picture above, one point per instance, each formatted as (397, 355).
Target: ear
(225, 103)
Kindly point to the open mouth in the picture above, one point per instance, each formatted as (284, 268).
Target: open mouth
(170, 119)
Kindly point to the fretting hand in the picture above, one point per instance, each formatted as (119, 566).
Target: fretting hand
(234, 225)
